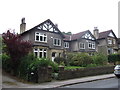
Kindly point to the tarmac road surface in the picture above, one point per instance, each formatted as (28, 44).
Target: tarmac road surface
(105, 83)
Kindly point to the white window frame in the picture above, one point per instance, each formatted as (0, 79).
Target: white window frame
(89, 45)
(114, 42)
(82, 44)
(56, 42)
(43, 35)
(92, 44)
(109, 41)
(38, 52)
(66, 44)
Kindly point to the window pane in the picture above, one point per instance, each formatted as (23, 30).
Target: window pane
(41, 38)
(40, 54)
(35, 54)
(40, 49)
(45, 39)
(37, 38)
(44, 54)
(55, 41)
(58, 42)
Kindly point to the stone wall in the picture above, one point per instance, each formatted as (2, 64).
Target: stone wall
(44, 74)
(82, 72)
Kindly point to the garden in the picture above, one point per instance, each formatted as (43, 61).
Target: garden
(18, 60)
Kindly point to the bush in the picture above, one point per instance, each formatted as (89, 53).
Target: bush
(100, 59)
(42, 62)
(81, 59)
(112, 58)
(60, 60)
(30, 64)
(23, 67)
(6, 64)
(69, 58)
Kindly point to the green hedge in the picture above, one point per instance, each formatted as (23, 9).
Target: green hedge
(112, 58)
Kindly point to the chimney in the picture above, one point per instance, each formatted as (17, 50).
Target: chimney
(96, 32)
(22, 25)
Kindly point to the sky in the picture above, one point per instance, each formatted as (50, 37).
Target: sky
(70, 15)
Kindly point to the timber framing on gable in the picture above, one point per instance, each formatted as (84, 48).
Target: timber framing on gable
(47, 26)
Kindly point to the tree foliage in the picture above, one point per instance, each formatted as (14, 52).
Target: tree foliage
(16, 48)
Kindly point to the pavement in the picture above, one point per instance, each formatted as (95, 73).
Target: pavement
(12, 82)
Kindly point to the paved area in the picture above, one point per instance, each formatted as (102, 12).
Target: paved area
(12, 82)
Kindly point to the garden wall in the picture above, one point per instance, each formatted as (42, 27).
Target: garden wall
(43, 74)
(82, 72)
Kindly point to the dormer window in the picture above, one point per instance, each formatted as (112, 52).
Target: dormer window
(40, 37)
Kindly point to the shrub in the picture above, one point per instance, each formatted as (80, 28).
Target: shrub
(69, 58)
(25, 62)
(42, 62)
(112, 58)
(6, 64)
(81, 59)
(60, 60)
(100, 59)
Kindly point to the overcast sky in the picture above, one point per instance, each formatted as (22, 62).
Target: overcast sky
(70, 15)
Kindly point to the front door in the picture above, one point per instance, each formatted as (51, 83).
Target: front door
(53, 55)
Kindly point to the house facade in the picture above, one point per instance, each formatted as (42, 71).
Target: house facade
(81, 42)
(119, 44)
(49, 41)
(107, 41)
(46, 38)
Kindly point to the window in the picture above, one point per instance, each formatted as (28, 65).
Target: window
(114, 42)
(109, 41)
(91, 45)
(41, 53)
(40, 37)
(57, 42)
(119, 45)
(82, 45)
(66, 44)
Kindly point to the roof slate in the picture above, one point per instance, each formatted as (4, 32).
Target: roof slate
(104, 34)
(74, 36)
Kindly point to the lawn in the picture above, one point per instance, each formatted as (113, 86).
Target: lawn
(72, 67)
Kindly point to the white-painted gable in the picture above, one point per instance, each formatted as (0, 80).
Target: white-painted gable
(111, 34)
(88, 36)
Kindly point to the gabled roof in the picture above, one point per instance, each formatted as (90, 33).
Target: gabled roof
(40, 25)
(76, 36)
(105, 34)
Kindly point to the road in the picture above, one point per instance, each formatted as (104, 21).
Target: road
(106, 83)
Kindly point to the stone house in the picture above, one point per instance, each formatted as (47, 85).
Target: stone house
(107, 41)
(119, 44)
(81, 42)
(49, 41)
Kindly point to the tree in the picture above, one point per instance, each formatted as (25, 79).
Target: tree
(67, 33)
(16, 48)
